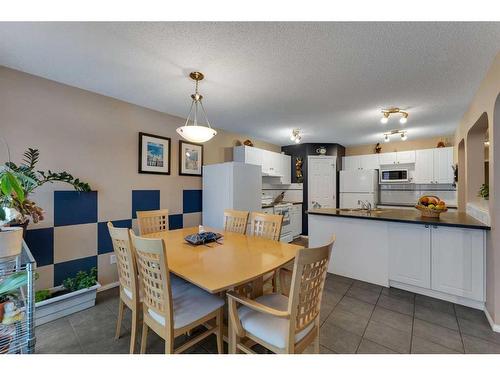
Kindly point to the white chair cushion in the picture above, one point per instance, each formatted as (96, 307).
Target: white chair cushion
(190, 304)
(269, 328)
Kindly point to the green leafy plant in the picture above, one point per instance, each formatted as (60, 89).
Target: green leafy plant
(10, 188)
(29, 180)
(82, 280)
(42, 295)
(484, 191)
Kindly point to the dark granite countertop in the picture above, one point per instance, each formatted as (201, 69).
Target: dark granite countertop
(274, 204)
(449, 219)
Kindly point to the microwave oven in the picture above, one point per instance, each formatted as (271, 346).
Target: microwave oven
(394, 175)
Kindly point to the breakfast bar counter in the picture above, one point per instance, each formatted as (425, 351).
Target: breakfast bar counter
(405, 215)
(439, 257)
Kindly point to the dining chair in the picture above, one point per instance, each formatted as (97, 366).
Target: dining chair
(172, 309)
(267, 226)
(127, 274)
(286, 322)
(235, 221)
(152, 221)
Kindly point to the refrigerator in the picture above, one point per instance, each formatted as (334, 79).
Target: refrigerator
(232, 185)
(358, 186)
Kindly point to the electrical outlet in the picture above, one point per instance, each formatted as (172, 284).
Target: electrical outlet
(112, 259)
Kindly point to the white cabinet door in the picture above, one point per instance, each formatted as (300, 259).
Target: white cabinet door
(424, 166)
(248, 155)
(458, 261)
(369, 161)
(388, 158)
(298, 220)
(443, 162)
(350, 163)
(267, 162)
(405, 157)
(410, 254)
(286, 169)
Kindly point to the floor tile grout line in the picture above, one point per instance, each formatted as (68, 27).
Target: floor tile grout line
(341, 298)
(459, 329)
(413, 323)
(77, 338)
(368, 322)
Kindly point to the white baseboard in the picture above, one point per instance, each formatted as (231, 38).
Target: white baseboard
(108, 286)
(494, 327)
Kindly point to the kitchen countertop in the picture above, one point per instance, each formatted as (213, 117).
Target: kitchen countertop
(449, 219)
(274, 204)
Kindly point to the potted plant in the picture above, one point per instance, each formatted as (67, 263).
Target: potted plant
(484, 191)
(75, 294)
(11, 239)
(31, 179)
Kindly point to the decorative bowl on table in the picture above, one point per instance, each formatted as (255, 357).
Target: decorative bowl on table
(431, 206)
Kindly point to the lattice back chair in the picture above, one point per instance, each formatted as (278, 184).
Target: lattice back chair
(152, 221)
(127, 274)
(266, 225)
(172, 309)
(235, 221)
(282, 323)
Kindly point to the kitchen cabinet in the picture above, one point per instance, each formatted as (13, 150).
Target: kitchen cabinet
(360, 162)
(400, 157)
(410, 254)
(271, 163)
(434, 166)
(458, 262)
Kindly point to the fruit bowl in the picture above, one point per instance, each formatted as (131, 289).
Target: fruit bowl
(431, 206)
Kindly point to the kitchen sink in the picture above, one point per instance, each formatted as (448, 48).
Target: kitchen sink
(362, 210)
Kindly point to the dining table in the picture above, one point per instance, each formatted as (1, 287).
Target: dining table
(234, 260)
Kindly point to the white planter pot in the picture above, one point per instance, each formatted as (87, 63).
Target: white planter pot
(66, 304)
(11, 241)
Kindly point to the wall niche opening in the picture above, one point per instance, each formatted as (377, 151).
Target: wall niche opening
(477, 151)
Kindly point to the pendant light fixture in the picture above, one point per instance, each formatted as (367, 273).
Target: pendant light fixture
(192, 131)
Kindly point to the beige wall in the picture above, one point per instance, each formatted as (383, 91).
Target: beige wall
(417, 144)
(95, 138)
(487, 101)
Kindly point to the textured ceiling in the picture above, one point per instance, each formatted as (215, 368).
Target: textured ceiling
(263, 79)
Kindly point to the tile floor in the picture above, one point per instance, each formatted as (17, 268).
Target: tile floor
(356, 317)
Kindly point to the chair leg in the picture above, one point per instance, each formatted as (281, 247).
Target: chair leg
(121, 306)
(233, 339)
(144, 337)
(133, 332)
(169, 345)
(275, 281)
(219, 321)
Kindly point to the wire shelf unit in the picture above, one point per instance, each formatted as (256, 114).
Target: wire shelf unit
(19, 337)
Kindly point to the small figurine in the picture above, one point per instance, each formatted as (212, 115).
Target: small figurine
(298, 169)
(248, 142)
(11, 314)
(378, 148)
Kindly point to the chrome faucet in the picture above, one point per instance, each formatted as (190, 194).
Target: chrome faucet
(365, 205)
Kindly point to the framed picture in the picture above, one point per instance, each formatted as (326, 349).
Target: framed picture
(190, 158)
(154, 154)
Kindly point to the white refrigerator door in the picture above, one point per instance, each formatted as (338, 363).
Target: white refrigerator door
(351, 200)
(358, 181)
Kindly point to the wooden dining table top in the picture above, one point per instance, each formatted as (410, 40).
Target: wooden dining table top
(237, 258)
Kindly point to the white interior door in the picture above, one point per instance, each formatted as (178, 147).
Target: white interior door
(321, 181)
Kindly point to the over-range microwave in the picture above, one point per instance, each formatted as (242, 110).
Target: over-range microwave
(394, 175)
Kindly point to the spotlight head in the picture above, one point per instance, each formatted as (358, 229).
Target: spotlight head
(404, 137)
(403, 120)
(385, 118)
(386, 138)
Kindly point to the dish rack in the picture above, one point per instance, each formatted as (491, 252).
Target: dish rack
(19, 337)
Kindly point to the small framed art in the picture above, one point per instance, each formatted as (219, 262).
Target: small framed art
(190, 158)
(154, 154)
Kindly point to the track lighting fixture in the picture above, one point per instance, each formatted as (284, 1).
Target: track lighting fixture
(387, 112)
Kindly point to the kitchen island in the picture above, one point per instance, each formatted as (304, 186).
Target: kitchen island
(442, 258)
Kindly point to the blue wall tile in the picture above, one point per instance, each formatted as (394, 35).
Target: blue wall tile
(175, 221)
(41, 244)
(73, 207)
(191, 201)
(69, 269)
(145, 200)
(104, 244)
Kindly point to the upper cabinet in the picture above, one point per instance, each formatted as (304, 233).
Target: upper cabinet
(400, 157)
(358, 162)
(272, 163)
(434, 166)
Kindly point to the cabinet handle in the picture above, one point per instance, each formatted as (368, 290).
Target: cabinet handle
(435, 227)
(426, 225)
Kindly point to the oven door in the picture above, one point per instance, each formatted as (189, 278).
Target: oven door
(394, 175)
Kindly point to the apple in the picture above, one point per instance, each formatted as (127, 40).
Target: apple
(431, 206)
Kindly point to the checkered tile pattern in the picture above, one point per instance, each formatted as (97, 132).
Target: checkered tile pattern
(78, 241)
